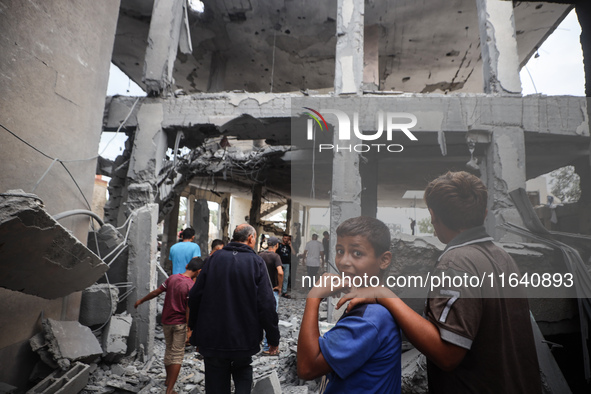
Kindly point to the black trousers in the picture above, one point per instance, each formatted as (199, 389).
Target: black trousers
(219, 370)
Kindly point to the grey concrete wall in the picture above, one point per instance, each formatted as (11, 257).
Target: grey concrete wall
(54, 71)
(141, 271)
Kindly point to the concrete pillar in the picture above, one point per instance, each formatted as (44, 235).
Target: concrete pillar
(169, 234)
(345, 197)
(499, 47)
(141, 272)
(148, 152)
(583, 9)
(225, 219)
(289, 217)
(503, 171)
(201, 224)
(254, 216)
(371, 56)
(349, 50)
(369, 183)
(163, 42)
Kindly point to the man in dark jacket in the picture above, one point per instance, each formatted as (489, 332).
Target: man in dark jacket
(230, 305)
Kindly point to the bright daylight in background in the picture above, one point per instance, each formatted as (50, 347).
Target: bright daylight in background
(555, 69)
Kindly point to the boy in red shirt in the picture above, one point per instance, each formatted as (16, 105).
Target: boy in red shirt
(175, 314)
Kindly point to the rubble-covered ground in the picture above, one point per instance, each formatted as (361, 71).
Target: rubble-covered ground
(132, 374)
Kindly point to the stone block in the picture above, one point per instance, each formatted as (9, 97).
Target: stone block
(70, 341)
(64, 382)
(54, 264)
(115, 337)
(267, 385)
(99, 302)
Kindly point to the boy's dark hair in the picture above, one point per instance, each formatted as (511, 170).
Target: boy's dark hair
(374, 230)
(458, 199)
(216, 242)
(325, 233)
(195, 264)
(188, 233)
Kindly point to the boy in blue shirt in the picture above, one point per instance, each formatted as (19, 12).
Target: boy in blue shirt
(361, 353)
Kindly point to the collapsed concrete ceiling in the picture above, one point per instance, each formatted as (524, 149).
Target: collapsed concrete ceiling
(283, 46)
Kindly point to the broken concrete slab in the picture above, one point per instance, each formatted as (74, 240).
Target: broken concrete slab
(60, 382)
(99, 302)
(56, 266)
(115, 337)
(267, 385)
(69, 341)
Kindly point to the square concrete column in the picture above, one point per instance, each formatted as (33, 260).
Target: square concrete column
(201, 225)
(499, 47)
(169, 234)
(503, 171)
(141, 272)
(225, 219)
(163, 41)
(254, 215)
(345, 197)
(148, 152)
(349, 50)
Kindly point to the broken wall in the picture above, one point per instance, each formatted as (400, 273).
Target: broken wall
(55, 68)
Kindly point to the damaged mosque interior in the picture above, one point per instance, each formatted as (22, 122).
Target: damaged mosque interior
(224, 83)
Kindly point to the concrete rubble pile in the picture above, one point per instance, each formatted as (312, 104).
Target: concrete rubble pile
(271, 375)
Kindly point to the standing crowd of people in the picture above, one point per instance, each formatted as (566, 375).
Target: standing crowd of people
(475, 339)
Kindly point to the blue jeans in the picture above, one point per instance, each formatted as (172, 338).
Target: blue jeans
(219, 370)
(265, 343)
(286, 268)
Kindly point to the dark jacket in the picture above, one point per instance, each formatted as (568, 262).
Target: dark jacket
(231, 303)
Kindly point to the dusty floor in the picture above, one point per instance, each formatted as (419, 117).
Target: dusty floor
(133, 374)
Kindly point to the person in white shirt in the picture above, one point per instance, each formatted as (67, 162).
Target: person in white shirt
(313, 256)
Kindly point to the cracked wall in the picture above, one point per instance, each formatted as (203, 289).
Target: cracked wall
(54, 69)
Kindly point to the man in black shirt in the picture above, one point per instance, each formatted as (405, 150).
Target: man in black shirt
(284, 252)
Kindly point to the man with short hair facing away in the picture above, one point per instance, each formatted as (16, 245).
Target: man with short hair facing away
(231, 304)
(182, 252)
(275, 271)
(174, 318)
(476, 339)
(313, 257)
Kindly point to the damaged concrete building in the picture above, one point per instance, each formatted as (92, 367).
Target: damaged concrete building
(223, 85)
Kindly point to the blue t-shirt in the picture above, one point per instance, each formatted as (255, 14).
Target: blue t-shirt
(363, 349)
(181, 253)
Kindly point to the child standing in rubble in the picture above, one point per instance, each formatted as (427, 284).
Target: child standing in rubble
(361, 353)
(174, 318)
